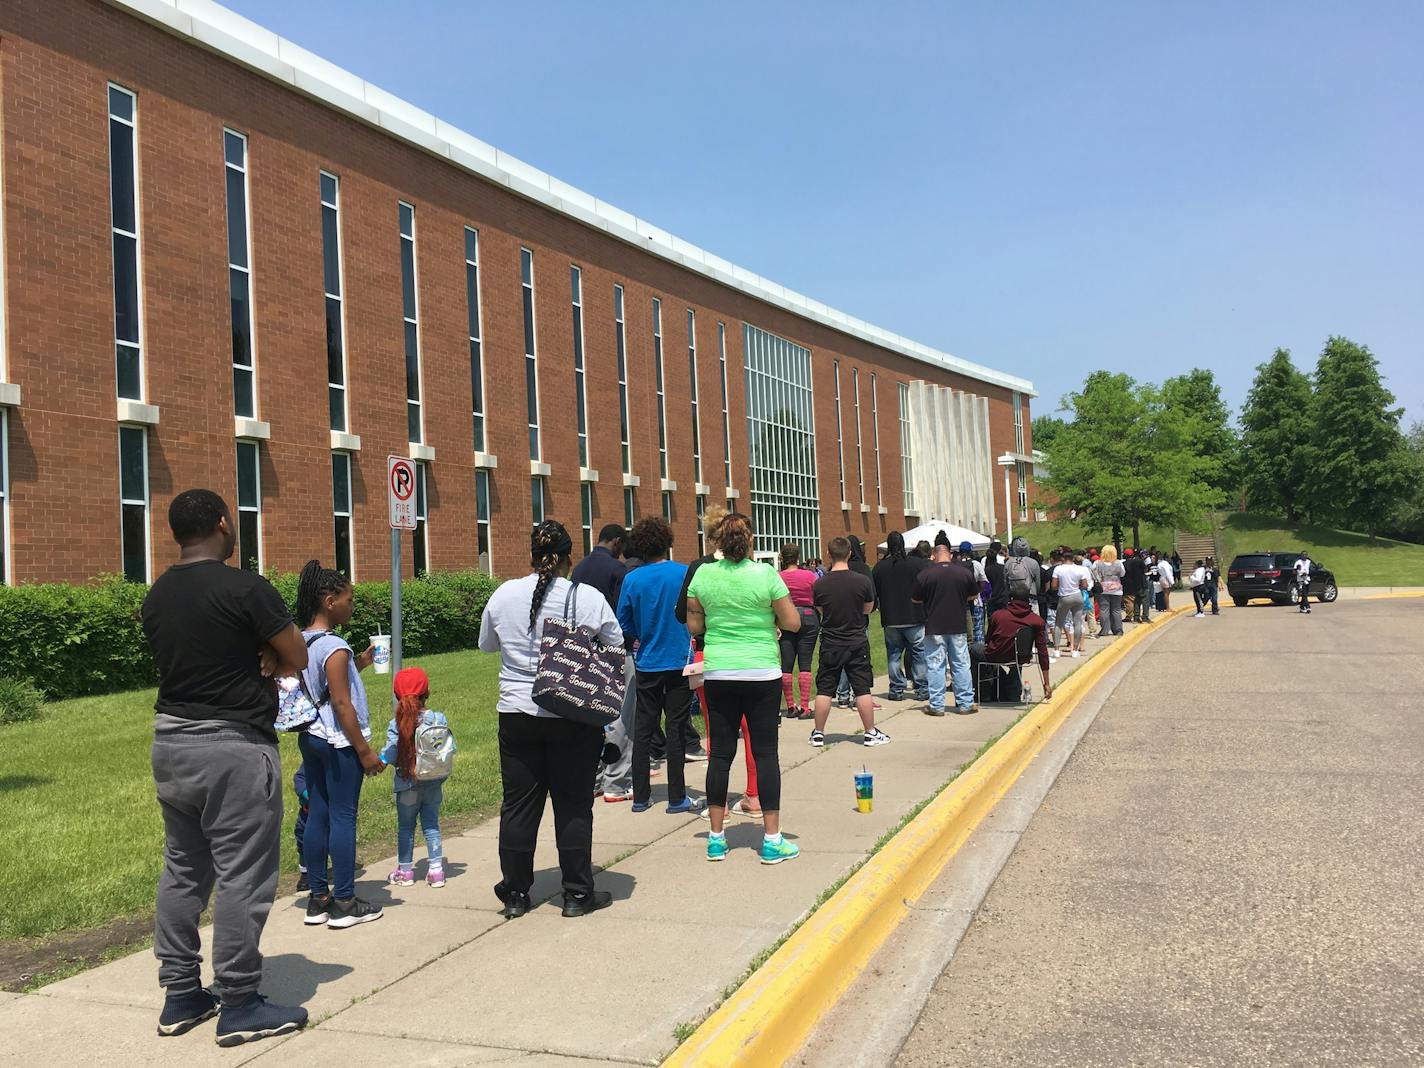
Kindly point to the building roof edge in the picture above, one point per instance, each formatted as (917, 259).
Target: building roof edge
(217, 29)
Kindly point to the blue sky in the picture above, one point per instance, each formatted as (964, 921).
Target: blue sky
(1044, 187)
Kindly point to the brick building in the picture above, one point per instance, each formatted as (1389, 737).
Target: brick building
(227, 262)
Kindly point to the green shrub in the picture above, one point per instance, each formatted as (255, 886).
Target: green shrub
(72, 641)
(20, 701)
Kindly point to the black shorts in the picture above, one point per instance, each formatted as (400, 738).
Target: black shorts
(854, 660)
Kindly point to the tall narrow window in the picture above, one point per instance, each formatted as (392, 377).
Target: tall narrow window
(907, 467)
(123, 204)
(840, 441)
(855, 408)
(420, 536)
(477, 370)
(726, 418)
(1021, 469)
(692, 379)
(249, 506)
(410, 309)
(586, 515)
(662, 405)
(341, 512)
(4, 495)
(630, 507)
(667, 507)
(536, 499)
(875, 439)
(331, 273)
(133, 501)
(580, 390)
(1018, 423)
(701, 527)
(621, 338)
(482, 520)
(531, 363)
(239, 274)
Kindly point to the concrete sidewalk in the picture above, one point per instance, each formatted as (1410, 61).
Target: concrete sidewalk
(444, 979)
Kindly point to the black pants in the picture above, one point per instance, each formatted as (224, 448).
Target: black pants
(691, 740)
(798, 648)
(660, 693)
(1303, 586)
(760, 702)
(540, 758)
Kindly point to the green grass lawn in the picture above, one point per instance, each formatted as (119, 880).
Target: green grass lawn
(1052, 533)
(82, 835)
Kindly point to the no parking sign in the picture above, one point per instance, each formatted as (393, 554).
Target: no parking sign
(400, 482)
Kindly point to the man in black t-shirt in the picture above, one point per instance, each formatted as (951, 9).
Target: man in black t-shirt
(218, 634)
(844, 598)
(946, 590)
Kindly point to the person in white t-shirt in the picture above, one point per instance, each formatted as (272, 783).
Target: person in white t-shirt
(1072, 581)
(1165, 578)
(1196, 582)
(1302, 581)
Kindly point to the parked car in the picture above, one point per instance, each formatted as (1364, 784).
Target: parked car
(1265, 574)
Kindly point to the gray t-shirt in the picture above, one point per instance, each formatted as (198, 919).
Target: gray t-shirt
(1110, 575)
(325, 727)
(504, 629)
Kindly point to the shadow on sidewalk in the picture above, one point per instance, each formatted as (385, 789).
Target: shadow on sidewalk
(293, 979)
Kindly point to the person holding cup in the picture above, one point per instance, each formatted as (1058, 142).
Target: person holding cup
(336, 748)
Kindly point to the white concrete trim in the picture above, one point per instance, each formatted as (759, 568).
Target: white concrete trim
(345, 442)
(588, 474)
(732, 493)
(669, 485)
(884, 510)
(9, 395)
(865, 509)
(631, 481)
(224, 32)
(254, 429)
(423, 453)
(132, 411)
(538, 469)
(487, 460)
(701, 489)
(845, 506)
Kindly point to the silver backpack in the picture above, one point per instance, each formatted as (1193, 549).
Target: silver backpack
(434, 752)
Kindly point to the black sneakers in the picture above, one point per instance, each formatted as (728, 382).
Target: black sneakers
(575, 905)
(350, 912)
(257, 1018)
(318, 910)
(516, 903)
(183, 1012)
(303, 883)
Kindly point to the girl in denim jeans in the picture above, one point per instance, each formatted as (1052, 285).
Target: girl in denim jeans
(414, 799)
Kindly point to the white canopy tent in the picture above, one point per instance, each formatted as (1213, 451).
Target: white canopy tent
(956, 534)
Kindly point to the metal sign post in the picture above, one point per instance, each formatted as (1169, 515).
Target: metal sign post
(400, 481)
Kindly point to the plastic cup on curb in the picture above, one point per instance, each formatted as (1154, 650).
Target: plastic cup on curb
(864, 791)
(381, 658)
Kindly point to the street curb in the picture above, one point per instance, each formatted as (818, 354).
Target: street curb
(770, 1016)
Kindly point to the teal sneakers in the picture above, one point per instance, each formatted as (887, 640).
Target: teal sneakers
(776, 852)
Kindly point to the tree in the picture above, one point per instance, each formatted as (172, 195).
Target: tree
(1275, 438)
(1045, 429)
(1406, 520)
(1127, 457)
(1360, 463)
(1197, 393)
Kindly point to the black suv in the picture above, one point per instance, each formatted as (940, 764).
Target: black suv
(1272, 575)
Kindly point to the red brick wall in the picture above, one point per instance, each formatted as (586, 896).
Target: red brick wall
(56, 57)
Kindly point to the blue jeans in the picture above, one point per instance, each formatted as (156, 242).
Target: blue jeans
(977, 609)
(953, 648)
(420, 799)
(334, 779)
(898, 641)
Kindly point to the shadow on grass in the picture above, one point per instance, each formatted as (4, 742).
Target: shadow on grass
(22, 782)
(1326, 537)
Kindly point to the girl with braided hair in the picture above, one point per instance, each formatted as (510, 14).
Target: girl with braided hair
(336, 750)
(542, 756)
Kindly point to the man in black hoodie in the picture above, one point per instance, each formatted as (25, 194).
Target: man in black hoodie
(903, 620)
(858, 565)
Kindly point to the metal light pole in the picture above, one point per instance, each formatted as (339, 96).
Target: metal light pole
(1006, 461)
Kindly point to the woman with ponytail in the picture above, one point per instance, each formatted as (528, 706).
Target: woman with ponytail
(336, 750)
(415, 798)
(542, 756)
(798, 647)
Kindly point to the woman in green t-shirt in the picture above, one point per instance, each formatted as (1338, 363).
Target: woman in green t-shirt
(737, 604)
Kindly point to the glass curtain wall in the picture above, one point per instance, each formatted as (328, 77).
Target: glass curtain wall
(781, 439)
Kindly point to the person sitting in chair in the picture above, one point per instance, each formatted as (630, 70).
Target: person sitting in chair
(1002, 644)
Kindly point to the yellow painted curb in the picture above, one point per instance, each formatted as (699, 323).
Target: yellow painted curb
(769, 1017)
(1392, 596)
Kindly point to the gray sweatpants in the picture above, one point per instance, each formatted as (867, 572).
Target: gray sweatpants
(220, 789)
(618, 775)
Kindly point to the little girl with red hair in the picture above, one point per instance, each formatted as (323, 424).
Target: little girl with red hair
(419, 746)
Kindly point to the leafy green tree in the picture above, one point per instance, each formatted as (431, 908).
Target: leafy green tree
(1276, 432)
(1129, 457)
(1360, 465)
(1045, 429)
(1406, 519)
(1197, 393)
